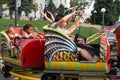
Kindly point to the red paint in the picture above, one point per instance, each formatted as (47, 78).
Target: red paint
(117, 33)
(107, 45)
(18, 31)
(32, 55)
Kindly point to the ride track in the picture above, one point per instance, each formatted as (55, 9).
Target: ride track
(22, 76)
(25, 75)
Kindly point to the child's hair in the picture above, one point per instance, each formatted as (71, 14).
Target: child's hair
(27, 26)
(58, 17)
(11, 26)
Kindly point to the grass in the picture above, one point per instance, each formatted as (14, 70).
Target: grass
(4, 23)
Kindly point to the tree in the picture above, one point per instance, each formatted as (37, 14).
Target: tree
(35, 8)
(82, 4)
(118, 6)
(61, 10)
(4, 1)
(115, 11)
(10, 4)
(108, 5)
(26, 5)
(51, 7)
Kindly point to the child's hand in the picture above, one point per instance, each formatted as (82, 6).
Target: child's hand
(49, 12)
(82, 13)
(42, 12)
(74, 10)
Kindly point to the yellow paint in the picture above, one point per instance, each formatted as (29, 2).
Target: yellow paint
(46, 65)
(57, 65)
(24, 77)
(56, 58)
(65, 53)
(76, 59)
(98, 66)
(61, 54)
(70, 65)
(65, 57)
(83, 66)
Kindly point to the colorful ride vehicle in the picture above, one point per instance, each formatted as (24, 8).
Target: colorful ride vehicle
(30, 54)
(57, 53)
(62, 54)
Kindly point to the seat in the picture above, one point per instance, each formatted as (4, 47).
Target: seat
(31, 54)
(61, 53)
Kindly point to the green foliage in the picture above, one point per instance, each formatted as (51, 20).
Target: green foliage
(115, 12)
(82, 4)
(61, 10)
(26, 6)
(97, 17)
(51, 7)
(4, 1)
(35, 7)
(117, 4)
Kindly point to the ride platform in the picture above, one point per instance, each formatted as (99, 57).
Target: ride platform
(36, 75)
(26, 75)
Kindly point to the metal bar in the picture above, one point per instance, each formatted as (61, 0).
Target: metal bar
(76, 72)
(16, 14)
(19, 76)
(103, 20)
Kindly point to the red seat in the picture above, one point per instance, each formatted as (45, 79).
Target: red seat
(32, 55)
(18, 31)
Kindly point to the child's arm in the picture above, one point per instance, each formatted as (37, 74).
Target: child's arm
(48, 19)
(53, 18)
(12, 36)
(67, 18)
(75, 25)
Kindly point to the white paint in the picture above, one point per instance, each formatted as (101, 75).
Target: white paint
(119, 18)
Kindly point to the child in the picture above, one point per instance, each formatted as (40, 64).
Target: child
(27, 31)
(11, 33)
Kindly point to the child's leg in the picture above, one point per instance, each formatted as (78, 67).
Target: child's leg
(15, 52)
(85, 54)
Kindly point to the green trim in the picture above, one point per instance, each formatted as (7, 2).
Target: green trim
(94, 37)
(12, 61)
(6, 36)
(51, 65)
(103, 66)
(63, 66)
(91, 67)
(9, 41)
(56, 30)
(76, 66)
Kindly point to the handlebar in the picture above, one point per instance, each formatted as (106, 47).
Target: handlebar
(78, 35)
